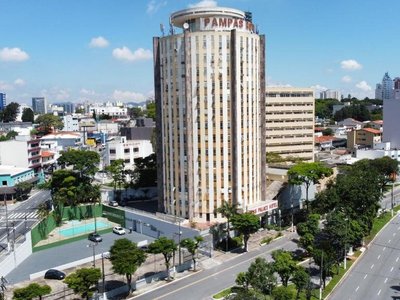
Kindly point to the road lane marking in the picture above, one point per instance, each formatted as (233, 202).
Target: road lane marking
(386, 280)
(398, 228)
(365, 276)
(384, 248)
(372, 266)
(379, 292)
(397, 259)
(391, 269)
(389, 241)
(379, 256)
(394, 233)
(357, 288)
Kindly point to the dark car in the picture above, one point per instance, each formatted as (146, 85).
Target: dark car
(54, 274)
(95, 237)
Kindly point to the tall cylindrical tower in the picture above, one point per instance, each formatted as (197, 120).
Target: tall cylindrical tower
(210, 97)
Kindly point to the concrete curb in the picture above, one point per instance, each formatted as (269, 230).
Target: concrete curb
(358, 258)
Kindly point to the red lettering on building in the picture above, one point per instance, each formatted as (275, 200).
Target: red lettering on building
(222, 22)
(214, 22)
(206, 21)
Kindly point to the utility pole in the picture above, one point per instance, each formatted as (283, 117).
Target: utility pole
(320, 278)
(345, 241)
(392, 202)
(103, 277)
(179, 241)
(8, 233)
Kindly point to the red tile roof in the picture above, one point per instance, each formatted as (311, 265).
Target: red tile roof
(374, 131)
(47, 154)
(323, 139)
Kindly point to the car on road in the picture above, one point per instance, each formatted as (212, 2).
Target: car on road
(113, 203)
(95, 237)
(119, 230)
(54, 274)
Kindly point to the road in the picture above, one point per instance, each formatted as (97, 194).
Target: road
(16, 213)
(204, 284)
(386, 200)
(57, 256)
(377, 274)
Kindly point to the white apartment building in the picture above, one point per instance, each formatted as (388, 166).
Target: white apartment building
(71, 123)
(330, 94)
(210, 93)
(109, 109)
(121, 148)
(290, 116)
(391, 113)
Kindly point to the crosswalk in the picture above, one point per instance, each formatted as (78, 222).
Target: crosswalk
(21, 216)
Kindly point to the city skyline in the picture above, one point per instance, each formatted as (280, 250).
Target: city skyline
(97, 50)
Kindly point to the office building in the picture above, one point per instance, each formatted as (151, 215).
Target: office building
(39, 105)
(391, 132)
(2, 101)
(396, 90)
(290, 122)
(210, 106)
(384, 91)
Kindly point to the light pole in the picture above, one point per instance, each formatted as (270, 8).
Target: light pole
(345, 241)
(280, 220)
(320, 278)
(93, 246)
(8, 233)
(179, 241)
(103, 277)
(291, 206)
(392, 202)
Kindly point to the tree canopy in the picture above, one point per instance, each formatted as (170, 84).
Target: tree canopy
(48, 122)
(9, 114)
(83, 161)
(83, 280)
(284, 265)
(192, 245)
(126, 258)
(28, 115)
(246, 224)
(166, 247)
(34, 290)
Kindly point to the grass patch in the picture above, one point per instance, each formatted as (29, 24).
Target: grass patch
(223, 293)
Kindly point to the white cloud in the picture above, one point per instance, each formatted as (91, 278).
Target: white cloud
(346, 78)
(153, 6)
(87, 92)
(13, 54)
(19, 82)
(318, 87)
(125, 53)
(350, 64)
(98, 42)
(5, 86)
(128, 96)
(55, 93)
(363, 85)
(204, 3)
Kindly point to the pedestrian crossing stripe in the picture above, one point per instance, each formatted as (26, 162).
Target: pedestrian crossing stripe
(22, 215)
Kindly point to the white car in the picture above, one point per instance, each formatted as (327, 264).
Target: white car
(119, 230)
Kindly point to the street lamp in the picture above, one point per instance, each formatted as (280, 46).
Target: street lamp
(93, 246)
(345, 241)
(103, 277)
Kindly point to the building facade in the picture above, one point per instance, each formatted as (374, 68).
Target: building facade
(210, 107)
(39, 105)
(363, 138)
(396, 90)
(330, 94)
(290, 114)
(391, 132)
(3, 102)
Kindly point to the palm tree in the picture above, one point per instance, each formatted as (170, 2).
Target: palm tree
(227, 210)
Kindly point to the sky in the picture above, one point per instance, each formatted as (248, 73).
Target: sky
(101, 50)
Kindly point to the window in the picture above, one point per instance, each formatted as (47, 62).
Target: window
(4, 183)
(126, 150)
(112, 151)
(135, 149)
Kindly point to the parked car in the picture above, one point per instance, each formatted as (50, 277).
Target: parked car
(119, 230)
(113, 203)
(95, 237)
(54, 274)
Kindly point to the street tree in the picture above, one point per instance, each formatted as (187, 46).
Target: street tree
(284, 265)
(246, 224)
(308, 173)
(34, 290)
(192, 245)
(283, 293)
(145, 173)
(126, 258)
(387, 168)
(227, 210)
(83, 280)
(243, 280)
(48, 122)
(167, 248)
(307, 231)
(261, 276)
(28, 115)
(22, 190)
(300, 279)
(151, 110)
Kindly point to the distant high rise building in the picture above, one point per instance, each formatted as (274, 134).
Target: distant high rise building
(39, 105)
(378, 91)
(330, 94)
(2, 101)
(68, 107)
(396, 91)
(210, 105)
(386, 88)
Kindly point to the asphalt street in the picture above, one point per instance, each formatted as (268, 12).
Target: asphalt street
(16, 213)
(204, 284)
(386, 200)
(377, 274)
(57, 256)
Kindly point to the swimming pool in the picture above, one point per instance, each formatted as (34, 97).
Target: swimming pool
(84, 228)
